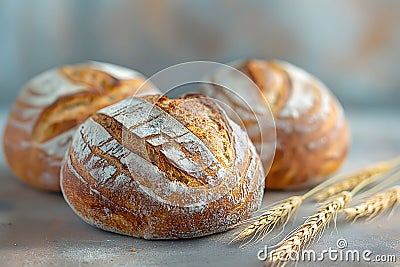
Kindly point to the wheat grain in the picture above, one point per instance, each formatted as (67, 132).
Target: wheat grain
(262, 225)
(353, 180)
(314, 226)
(280, 213)
(290, 248)
(277, 215)
(375, 205)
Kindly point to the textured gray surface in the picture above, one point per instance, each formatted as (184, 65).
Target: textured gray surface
(39, 229)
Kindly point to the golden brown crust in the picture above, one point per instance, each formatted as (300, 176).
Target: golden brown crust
(50, 107)
(312, 132)
(117, 174)
(313, 149)
(202, 117)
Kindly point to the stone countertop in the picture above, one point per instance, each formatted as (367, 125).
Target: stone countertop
(39, 229)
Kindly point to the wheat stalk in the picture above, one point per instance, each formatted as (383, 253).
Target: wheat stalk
(290, 248)
(262, 225)
(280, 212)
(353, 180)
(375, 205)
(314, 226)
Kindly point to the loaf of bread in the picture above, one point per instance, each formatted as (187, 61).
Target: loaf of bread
(312, 132)
(49, 109)
(161, 168)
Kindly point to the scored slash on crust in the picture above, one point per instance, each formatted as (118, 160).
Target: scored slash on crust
(165, 208)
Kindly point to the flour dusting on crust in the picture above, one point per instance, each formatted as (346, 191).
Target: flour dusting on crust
(205, 209)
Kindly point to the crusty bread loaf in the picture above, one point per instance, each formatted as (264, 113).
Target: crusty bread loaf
(157, 168)
(49, 109)
(311, 129)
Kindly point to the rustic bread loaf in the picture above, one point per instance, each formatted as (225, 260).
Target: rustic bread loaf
(158, 168)
(49, 109)
(312, 132)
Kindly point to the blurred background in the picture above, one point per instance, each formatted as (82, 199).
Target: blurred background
(353, 46)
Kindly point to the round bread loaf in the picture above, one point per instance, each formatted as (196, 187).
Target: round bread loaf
(161, 168)
(312, 132)
(49, 109)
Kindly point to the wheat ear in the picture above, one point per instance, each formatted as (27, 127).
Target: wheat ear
(381, 185)
(262, 225)
(314, 226)
(375, 205)
(291, 247)
(279, 213)
(378, 202)
(354, 179)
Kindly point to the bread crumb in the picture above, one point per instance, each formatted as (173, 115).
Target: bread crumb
(133, 250)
